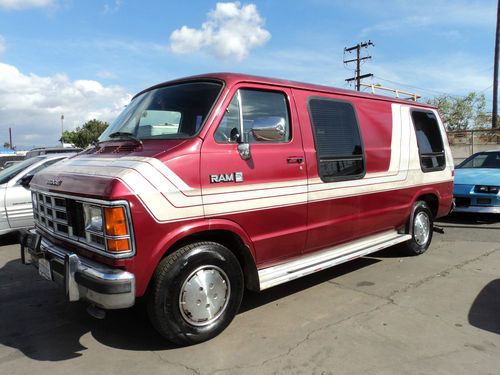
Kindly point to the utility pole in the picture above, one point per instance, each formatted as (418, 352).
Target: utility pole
(10, 138)
(62, 129)
(358, 77)
(495, 72)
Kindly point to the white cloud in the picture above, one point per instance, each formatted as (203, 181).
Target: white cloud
(25, 4)
(3, 46)
(405, 16)
(457, 74)
(396, 24)
(106, 74)
(113, 7)
(230, 32)
(32, 105)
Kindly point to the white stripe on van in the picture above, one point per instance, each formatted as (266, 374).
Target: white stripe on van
(168, 198)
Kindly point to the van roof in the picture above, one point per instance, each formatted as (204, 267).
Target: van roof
(233, 78)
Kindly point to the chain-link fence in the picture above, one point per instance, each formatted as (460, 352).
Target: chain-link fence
(464, 143)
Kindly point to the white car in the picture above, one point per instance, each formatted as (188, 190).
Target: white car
(16, 210)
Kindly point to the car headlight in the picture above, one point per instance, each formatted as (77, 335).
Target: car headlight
(107, 227)
(34, 200)
(93, 218)
(485, 189)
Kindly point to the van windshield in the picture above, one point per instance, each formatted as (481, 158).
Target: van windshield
(170, 112)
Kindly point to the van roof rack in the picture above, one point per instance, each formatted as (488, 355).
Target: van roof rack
(411, 96)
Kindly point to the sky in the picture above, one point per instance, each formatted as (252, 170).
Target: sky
(86, 59)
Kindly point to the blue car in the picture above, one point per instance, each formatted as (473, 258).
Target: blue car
(477, 183)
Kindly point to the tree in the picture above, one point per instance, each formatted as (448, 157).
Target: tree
(86, 134)
(462, 113)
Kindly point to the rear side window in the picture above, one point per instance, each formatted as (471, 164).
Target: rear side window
(430, 143)
(338, 141)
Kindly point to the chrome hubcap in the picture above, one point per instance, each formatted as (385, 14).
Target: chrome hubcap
(204, 295)
(421, 228)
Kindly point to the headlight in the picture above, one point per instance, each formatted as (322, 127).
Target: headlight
(107, 227)
(486, 189)
(93, 218)
(34, 199)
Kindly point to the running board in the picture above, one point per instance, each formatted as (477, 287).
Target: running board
(323, 259)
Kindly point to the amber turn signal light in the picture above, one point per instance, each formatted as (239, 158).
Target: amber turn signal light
(118, 245)
(116, 224)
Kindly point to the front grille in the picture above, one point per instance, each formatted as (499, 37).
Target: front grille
(51, 214)
(64, 218)
(485, 201)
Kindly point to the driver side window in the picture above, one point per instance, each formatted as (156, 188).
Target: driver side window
(257, 108)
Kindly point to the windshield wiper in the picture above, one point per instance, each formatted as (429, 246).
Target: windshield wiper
(125, 135)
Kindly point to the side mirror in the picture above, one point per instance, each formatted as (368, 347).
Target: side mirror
(243, 144)
(269, 129)
(25, 181)
(244, 150)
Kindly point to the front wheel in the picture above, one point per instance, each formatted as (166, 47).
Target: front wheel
(195, 293)
(421, 230)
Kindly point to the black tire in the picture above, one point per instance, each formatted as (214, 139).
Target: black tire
(419, 244)
(197, 262)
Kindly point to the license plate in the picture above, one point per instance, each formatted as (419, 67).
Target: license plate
(44, 268)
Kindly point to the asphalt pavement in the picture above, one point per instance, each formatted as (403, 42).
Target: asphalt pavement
(438, 313)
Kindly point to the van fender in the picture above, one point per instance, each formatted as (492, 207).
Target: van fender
(424, 191)
(193, 227)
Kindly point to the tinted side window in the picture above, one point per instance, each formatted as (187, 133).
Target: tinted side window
(338, 140)
(430, 143)
(259, 109)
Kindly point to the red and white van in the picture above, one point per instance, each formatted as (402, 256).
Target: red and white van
(207, 185)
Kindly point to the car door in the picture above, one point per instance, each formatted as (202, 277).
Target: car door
(18, 198)
(267, 193)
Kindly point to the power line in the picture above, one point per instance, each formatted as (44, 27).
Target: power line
(487, 88)
(416, 87)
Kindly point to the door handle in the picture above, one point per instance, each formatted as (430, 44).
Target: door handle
(295, 160)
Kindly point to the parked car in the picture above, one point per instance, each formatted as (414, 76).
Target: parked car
(10, 163)
(206, 185)
(51, 150)
(16, 209)
(477, 183)
(6, 159)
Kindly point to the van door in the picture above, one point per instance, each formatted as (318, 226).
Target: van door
(267, 193)
(334, 149)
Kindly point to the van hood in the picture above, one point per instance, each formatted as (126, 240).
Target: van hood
(97, 172)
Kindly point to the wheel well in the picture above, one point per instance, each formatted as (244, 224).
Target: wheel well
(235, 244)
(432, 201)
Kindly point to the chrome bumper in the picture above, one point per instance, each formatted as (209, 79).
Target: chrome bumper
(478, 209)
(83, 279)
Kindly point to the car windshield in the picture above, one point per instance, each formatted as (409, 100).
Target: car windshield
(482, 160)
(170, 112)
(7, 174)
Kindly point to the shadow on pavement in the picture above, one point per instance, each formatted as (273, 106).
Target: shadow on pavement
(467, 220)
(9, 239)
(485, 311)
(254, 300)
(36, 319)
